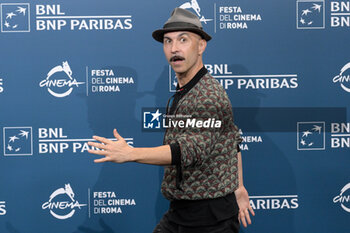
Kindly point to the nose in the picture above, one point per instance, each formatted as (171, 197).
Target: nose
(174, 47)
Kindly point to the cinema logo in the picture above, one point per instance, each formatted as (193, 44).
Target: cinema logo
(344, 198)
(225, 17)
(343, 78)
(193, 5)
(107, 202)
(62, 203)
(2, 208)
(54, 141)
(245, 82)
(59, 81)
(275, 202)
(107, 80)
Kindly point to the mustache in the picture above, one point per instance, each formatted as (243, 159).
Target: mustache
(176, 57)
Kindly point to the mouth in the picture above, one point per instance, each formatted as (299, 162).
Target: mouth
(176, 59)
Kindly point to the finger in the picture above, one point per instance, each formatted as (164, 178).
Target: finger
(116, 135)
(97, 145)
(243, 221)
(102, 139)
(101, 160)
(251, 211)
(98, 152)
(247, 217)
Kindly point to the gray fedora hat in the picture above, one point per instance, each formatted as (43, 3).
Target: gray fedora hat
(181, 20)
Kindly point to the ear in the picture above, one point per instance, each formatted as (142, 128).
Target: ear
(202, 44)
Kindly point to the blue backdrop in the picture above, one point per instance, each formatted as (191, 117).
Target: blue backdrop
(73, 69)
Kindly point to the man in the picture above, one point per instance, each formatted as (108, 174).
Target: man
(203, 166)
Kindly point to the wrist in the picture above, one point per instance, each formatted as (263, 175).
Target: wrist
(133, 154)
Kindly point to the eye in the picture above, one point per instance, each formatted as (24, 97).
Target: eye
(183, 39)
(167, 41)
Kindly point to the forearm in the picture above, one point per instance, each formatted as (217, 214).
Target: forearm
(240, 169)
(242, 196)
(120, 152)
(160, 155)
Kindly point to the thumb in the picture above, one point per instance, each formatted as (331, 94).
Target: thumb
(116, 135)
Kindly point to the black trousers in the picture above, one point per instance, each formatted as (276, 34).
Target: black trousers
(230, 225)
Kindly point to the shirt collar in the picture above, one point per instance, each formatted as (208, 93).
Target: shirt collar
(183, 90)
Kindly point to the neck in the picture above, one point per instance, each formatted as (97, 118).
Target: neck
(184, 78)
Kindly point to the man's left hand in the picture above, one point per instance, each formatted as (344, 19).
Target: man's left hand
(242, 198)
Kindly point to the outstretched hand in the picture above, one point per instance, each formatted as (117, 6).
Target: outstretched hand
(242, 198)
(113, 151)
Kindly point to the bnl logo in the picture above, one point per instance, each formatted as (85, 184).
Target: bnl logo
(15, 17)
(18, 141)
(310, 14)
(152, 120)
(311, 135)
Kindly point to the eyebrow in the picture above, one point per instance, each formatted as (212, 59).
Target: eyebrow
(182, 34)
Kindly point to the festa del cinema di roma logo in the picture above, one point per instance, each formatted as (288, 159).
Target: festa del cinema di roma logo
(193, 5)
(344, 198)
(62, 209)
(59, 81)
(344, 78)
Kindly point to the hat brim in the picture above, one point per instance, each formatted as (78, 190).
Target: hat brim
(159, 34)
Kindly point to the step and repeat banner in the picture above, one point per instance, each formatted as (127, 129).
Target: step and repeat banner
(73, 69)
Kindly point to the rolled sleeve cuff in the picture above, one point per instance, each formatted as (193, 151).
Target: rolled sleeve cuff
(175, 153)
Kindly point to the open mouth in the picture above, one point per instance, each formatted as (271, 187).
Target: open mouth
(176, 59)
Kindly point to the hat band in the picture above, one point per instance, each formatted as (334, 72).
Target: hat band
(181, 25)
